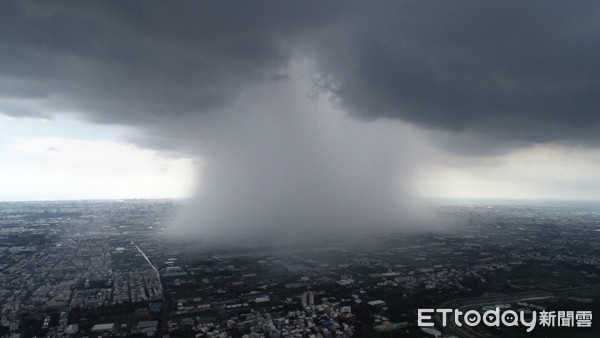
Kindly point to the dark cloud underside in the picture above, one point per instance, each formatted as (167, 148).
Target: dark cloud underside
(520, 71)
(128, 62)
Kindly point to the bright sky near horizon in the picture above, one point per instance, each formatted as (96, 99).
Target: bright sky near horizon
(66, 159)
(63, 158)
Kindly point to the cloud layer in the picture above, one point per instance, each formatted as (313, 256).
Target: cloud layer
(510, 71)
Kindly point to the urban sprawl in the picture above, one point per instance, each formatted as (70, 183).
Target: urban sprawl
(110, 268)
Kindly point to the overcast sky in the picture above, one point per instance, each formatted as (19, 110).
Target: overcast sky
(224, 101)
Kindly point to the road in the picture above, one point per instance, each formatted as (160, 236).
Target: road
(165, 304)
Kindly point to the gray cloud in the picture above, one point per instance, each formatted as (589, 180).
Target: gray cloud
(137, 62)
(525, 72)
(512, 71)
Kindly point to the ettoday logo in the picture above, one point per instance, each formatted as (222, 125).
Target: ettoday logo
(497, 317)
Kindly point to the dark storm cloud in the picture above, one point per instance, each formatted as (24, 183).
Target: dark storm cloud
(135, 62)
(513, 71)
(520, 71)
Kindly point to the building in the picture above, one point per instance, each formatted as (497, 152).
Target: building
(98, 328)
(378, 302)
(307, 298)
